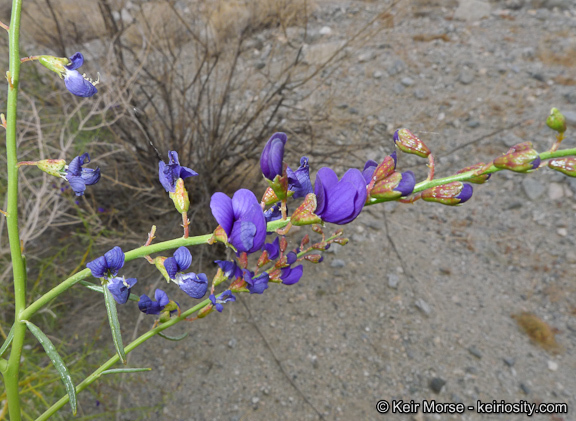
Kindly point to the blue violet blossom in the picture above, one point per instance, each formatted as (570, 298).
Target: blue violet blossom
(273, 155)
(107, 267)
(256, 285)
(195, 285)
(299, 180)
(290, 275)
(170, 173)
(223, 298)
(241, 218)
(75, 82)
(339, 201)
(147, 306)
(79, 177)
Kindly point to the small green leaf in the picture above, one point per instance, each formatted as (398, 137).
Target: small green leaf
(114, 324)
(93, 287)
(57, 361)
(7, 342)
(125, 370)
(173, 338)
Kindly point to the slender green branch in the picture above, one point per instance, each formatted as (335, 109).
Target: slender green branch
(11, 374)
(113, 360)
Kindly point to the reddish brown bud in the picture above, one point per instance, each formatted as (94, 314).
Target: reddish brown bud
(314, 258)
(341, 241)
(304, 214)
(305, 241)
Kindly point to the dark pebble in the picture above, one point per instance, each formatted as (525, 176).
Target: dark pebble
(436, 384)
(475, 351)
(509, 361)
(525, 388)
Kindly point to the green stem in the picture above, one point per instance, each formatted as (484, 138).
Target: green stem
(12, 372)
(113, 360)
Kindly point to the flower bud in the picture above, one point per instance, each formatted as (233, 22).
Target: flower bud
(53, 167)
(450, 194)
(476, 179)
(283, 244)
(556, 121)
(341, 241)
(395, 186)
(520, 158)
(180, 197)
(159, 263)
(263, 259)
(408, 143)
(314, 258)
(564, 165)
(205, 311)
(239, 285)
(322, 245)
(305, 241)
(304, 214)
(56, 64)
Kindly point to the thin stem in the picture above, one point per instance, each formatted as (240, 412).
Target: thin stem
(11, 375)
(113, 360)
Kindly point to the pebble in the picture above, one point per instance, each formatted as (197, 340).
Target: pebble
(475, 351)
(533, 188)
(396, 67)
(472, 10)
(466, 76)
(420, 94)
(509, 361)
(562, 232)
(407, 81)
(337, 263)
(325, 30)
(436, 384)
(232, 343)
(552, 365)
(570, 96)
(399, 89)
(377, 74)
(423, 306)
(473, 124)
(393, 280)
(363, 58)
(510, 139)
(555, 191)
(525, 388)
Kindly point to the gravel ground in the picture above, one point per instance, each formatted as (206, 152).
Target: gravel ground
(418, 305)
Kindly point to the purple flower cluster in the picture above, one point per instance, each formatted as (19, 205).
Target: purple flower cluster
(107, 267)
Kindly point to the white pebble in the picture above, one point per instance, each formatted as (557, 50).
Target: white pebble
(552, 365)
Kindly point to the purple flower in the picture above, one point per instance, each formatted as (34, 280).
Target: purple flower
(274, 213)
(79, 177)
(223, 298)
(241, 218)
(193, 285)
(258, 284)
(147, 306)
(299, 180)
(181, 260)
(171, 172)
(465, 194)
(368, 171)
(75, 82)
(406, 184)
(290, 275)
(291, 257)
(339, 202)
(120, 287)
(230, 269)
(273, 155)
(273, 249)
(108, 265)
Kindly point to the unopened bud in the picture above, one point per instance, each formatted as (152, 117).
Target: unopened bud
(263, 259)
(320, 246)
(205, 311)
(564, 165)
(305, 241)
(519, 158)
(180, 197)
(386, 168)
(56, 64)
(476, 179)
(53, 167)
(314, 258)
(317, 229)
(243, 260)
(450, 194)
(269, 197)
(159, 263)
(283, 244)
(407, 142)
(341, 241)
(338, 233)
(556, 121)
(395, 186)
(239, 285)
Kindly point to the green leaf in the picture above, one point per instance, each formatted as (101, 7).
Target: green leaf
(57, 361)
(173, 338)
(114, 324)
(7, 342)
(93, 287)
(125, 370)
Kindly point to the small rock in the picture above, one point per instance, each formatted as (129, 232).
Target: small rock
(399, 89)
(232, 343)
(363, 58)
(377, 74)
(552, 365)
(475, 351)
(407, 81)
(260, 65)
(396, 67)
(570, 117)
(337, 263)
(334, 248)
(473, 124)
(353, 110)
(325, 30)
(423, 306)
(471, 370)
(533, 188)
(466, 76)
(393, 280)
(525, 388)
(509, 361)
(562, 232)
(436, 384)
(420, 94)
(472, 10)
(555, 191)
(570, 96)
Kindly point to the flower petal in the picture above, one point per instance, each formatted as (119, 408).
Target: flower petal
(114, 260)
(183, 258)
(193, 285)
(76, 61)
(77, 85)
(98, 267)
(242, 236)
(221, 206)
(171, 267)
(161, 297)
(291, 275)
